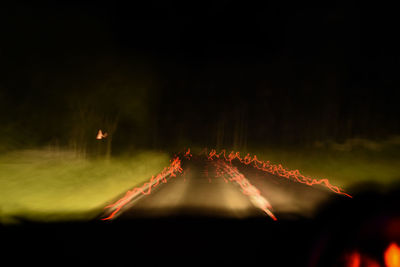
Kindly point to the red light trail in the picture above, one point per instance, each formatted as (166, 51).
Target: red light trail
(278, 170)
(247, 188)
(226, 171)
(171, 170)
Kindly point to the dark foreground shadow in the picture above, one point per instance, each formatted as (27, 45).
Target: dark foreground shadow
(365, 225)
(341, 225)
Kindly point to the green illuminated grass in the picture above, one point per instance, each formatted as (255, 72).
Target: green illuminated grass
(51, 186)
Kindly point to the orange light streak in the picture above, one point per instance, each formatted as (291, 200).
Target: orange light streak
(188, 155)
(171, 170)
(230, 171)
(278, 170)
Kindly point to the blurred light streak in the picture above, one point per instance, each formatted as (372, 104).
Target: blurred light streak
(188, 155)
(247, 188)
(171, 170)
(278, 170)
(222, 170)
(392, 255)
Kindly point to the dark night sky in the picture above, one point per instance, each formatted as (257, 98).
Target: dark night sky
(293, 74)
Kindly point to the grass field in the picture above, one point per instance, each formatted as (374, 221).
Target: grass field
(47, 185)
(345, 166)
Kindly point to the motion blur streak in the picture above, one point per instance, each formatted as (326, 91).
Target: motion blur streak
(225, 171)
(188, 155)
(392, 255)
(266, 166)
(171, 170)
(247, 188)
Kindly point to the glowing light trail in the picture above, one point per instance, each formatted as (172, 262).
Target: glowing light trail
(247, 188)
(188, 155)
(224, 170)
(278, 170)
(171, 171)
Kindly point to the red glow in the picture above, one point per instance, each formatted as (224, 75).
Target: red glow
(171, 170)
(353, 259)
(188, 155)
(392, 229)
(356, 259)
(274, 169)
(392, 255)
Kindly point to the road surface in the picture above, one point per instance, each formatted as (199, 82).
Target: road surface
(200, 191)
(201, 216)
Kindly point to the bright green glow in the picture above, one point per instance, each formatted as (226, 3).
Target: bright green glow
(342, 168)
(43, 185)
